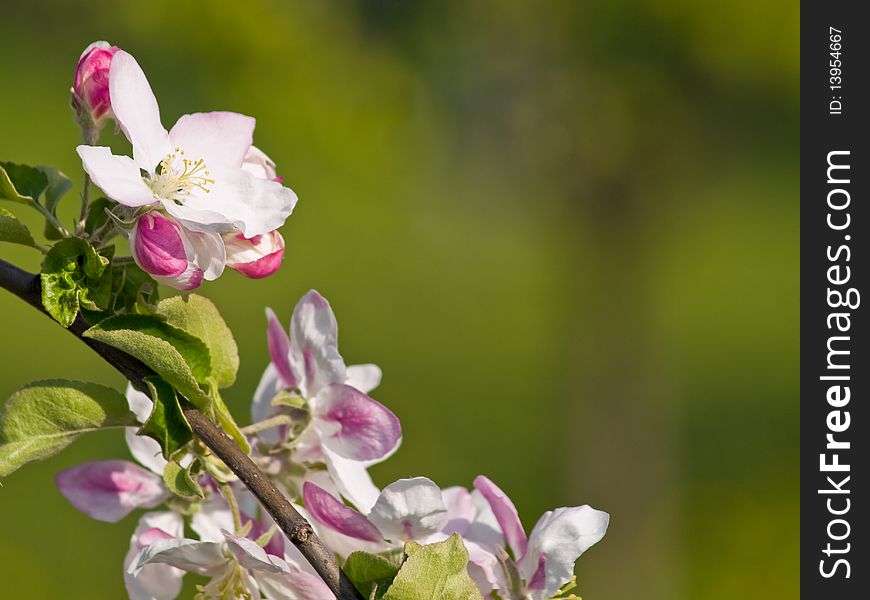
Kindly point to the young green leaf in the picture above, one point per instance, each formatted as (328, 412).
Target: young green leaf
(72, 272)
(434, 572)
(14, 231)
(42, 418)
(179, 481)
(199, 317)
(166, 423)
(20, 183)
(179, 358)
(371, 574)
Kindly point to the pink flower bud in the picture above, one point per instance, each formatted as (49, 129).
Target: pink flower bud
(255, 257)
(160, 248)
(90, 91)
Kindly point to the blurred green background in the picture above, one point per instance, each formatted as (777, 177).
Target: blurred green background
(567, 231)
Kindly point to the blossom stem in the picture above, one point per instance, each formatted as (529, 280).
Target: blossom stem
(26, 286)
(275, 421)
(230, 497)
(83, 215)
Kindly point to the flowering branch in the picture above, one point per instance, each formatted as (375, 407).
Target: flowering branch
(26, 286)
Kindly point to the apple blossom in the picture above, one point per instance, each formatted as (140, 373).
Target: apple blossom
(90, 97)
(192, 172)
(348, 431)
(238, 567)
(544, 560)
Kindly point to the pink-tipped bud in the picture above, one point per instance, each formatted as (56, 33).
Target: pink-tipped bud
(160, 248)
(259, 165)
(90, 91)
(255, 257)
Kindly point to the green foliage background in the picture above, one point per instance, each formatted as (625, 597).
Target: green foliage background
(567, 231)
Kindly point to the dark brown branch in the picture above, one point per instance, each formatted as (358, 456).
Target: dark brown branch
(26, 286)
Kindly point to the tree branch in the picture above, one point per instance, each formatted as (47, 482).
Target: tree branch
(27, 287)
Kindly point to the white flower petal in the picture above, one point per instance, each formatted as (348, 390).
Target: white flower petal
(211, 518)
(236, 201)
(136, 110)
(202, 558)
(209, 252)
(352, 479)
(117, 176)
(221, 139)
(409, 509)
(365, 378)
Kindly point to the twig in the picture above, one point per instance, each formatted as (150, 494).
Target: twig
(27, 287)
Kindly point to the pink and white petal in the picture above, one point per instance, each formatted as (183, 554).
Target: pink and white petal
(460, 510)
(212, 517)
(506, 514)
(236, 200)
(109, 490)
(249, 554)
(221, 139)
(137, 112)
(314, 344)
(154, 582)
(352, 479)
(484, 528)
(338, 543)
(292, 584)
(202, 558)
(483, 567)
(330, 512)
(117, 176)
(365, 378)
(557, 541)
(145, 450)
(279, 349)
(366, 429)
(209, 253)
(409, 509)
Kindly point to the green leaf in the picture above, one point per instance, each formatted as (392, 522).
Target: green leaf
(58, 185)
(72, 272)
(166, 424)
(434, 572)
(199, 317)
(179, 481)
(14, 231)
(371, 574)
(42, 418)
(20, 183)
(179, 358)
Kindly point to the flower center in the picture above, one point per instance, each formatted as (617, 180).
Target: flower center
(176, 177)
